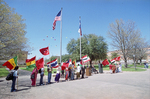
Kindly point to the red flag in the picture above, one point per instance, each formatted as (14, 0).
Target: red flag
(117, 58)
(40, 63)
(105, 62)
(66, 64)
(44, 51)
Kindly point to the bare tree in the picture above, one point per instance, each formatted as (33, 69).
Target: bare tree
(123, 36)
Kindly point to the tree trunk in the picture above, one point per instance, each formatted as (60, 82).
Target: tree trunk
(90, 62)
(140, 61)
(126, 64)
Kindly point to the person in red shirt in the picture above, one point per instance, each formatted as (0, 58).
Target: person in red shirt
(110, 67)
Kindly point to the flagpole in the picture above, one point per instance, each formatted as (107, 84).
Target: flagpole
(80, 39)
(61, 36)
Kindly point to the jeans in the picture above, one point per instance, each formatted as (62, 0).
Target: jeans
(49, 77)
(13, 84)
(72, 76)
(41, 79)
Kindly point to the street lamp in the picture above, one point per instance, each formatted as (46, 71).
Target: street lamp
(134, 61)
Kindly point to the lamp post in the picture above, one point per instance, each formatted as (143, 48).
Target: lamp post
(134, 61)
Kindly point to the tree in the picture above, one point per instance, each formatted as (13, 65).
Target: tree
(123, 35)
(114, 55)
(92, 45)
(139, 49)
(12, 32)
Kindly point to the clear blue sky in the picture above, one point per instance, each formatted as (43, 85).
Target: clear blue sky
(96, 15)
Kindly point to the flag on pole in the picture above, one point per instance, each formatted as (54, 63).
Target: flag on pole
(115, 59)
(31, 62)
(66, 64)
(40, 63)
(80, 31)
(79, 62)
(57, 18)
(106, 62)
(11, 64)
(45, 51)
(53, 63)
(85, 59)
(74, 62)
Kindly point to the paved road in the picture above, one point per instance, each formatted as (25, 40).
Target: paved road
(126, 85)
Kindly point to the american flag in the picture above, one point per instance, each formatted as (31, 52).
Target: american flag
(80, 28)
(57, 18)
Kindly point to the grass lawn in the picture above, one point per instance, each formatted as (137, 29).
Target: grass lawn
(3, 72)
(130, 68)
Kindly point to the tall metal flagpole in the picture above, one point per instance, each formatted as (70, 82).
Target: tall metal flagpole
(61, 36)
(80, 36)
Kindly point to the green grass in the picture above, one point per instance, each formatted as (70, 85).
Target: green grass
(137, 65)
(130, 68)
(133, 69)
(3, 72)
(31, 69)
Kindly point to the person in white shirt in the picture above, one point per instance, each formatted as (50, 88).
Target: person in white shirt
(78, 71)
(58, 74)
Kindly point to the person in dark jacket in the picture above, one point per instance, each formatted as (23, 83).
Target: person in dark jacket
(15, 76)
(83, 71)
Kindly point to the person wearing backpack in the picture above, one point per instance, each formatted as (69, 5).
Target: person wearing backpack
(15, 76)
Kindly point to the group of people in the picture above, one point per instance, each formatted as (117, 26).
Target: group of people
(115, 68)
(67, 73)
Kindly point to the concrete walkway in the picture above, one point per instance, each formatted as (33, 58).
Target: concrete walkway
(126, 85)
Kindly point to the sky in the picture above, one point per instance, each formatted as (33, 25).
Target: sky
(96, 15)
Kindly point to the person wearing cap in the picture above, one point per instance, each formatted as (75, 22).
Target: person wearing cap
(49, 70)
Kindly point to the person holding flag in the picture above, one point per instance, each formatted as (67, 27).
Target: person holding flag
(72, 72)
(15, 76)
(58, 74)
(49, 70)
(40, 67)
(34, 76)
(78, 71)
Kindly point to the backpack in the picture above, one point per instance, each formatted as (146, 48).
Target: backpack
(10, 76)
(40, 71)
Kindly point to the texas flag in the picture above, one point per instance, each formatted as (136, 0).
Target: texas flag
(53, 63)
(57, 18)
(45, 51)
(85, 59)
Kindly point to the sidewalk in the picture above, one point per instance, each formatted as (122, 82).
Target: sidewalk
(126, 85)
